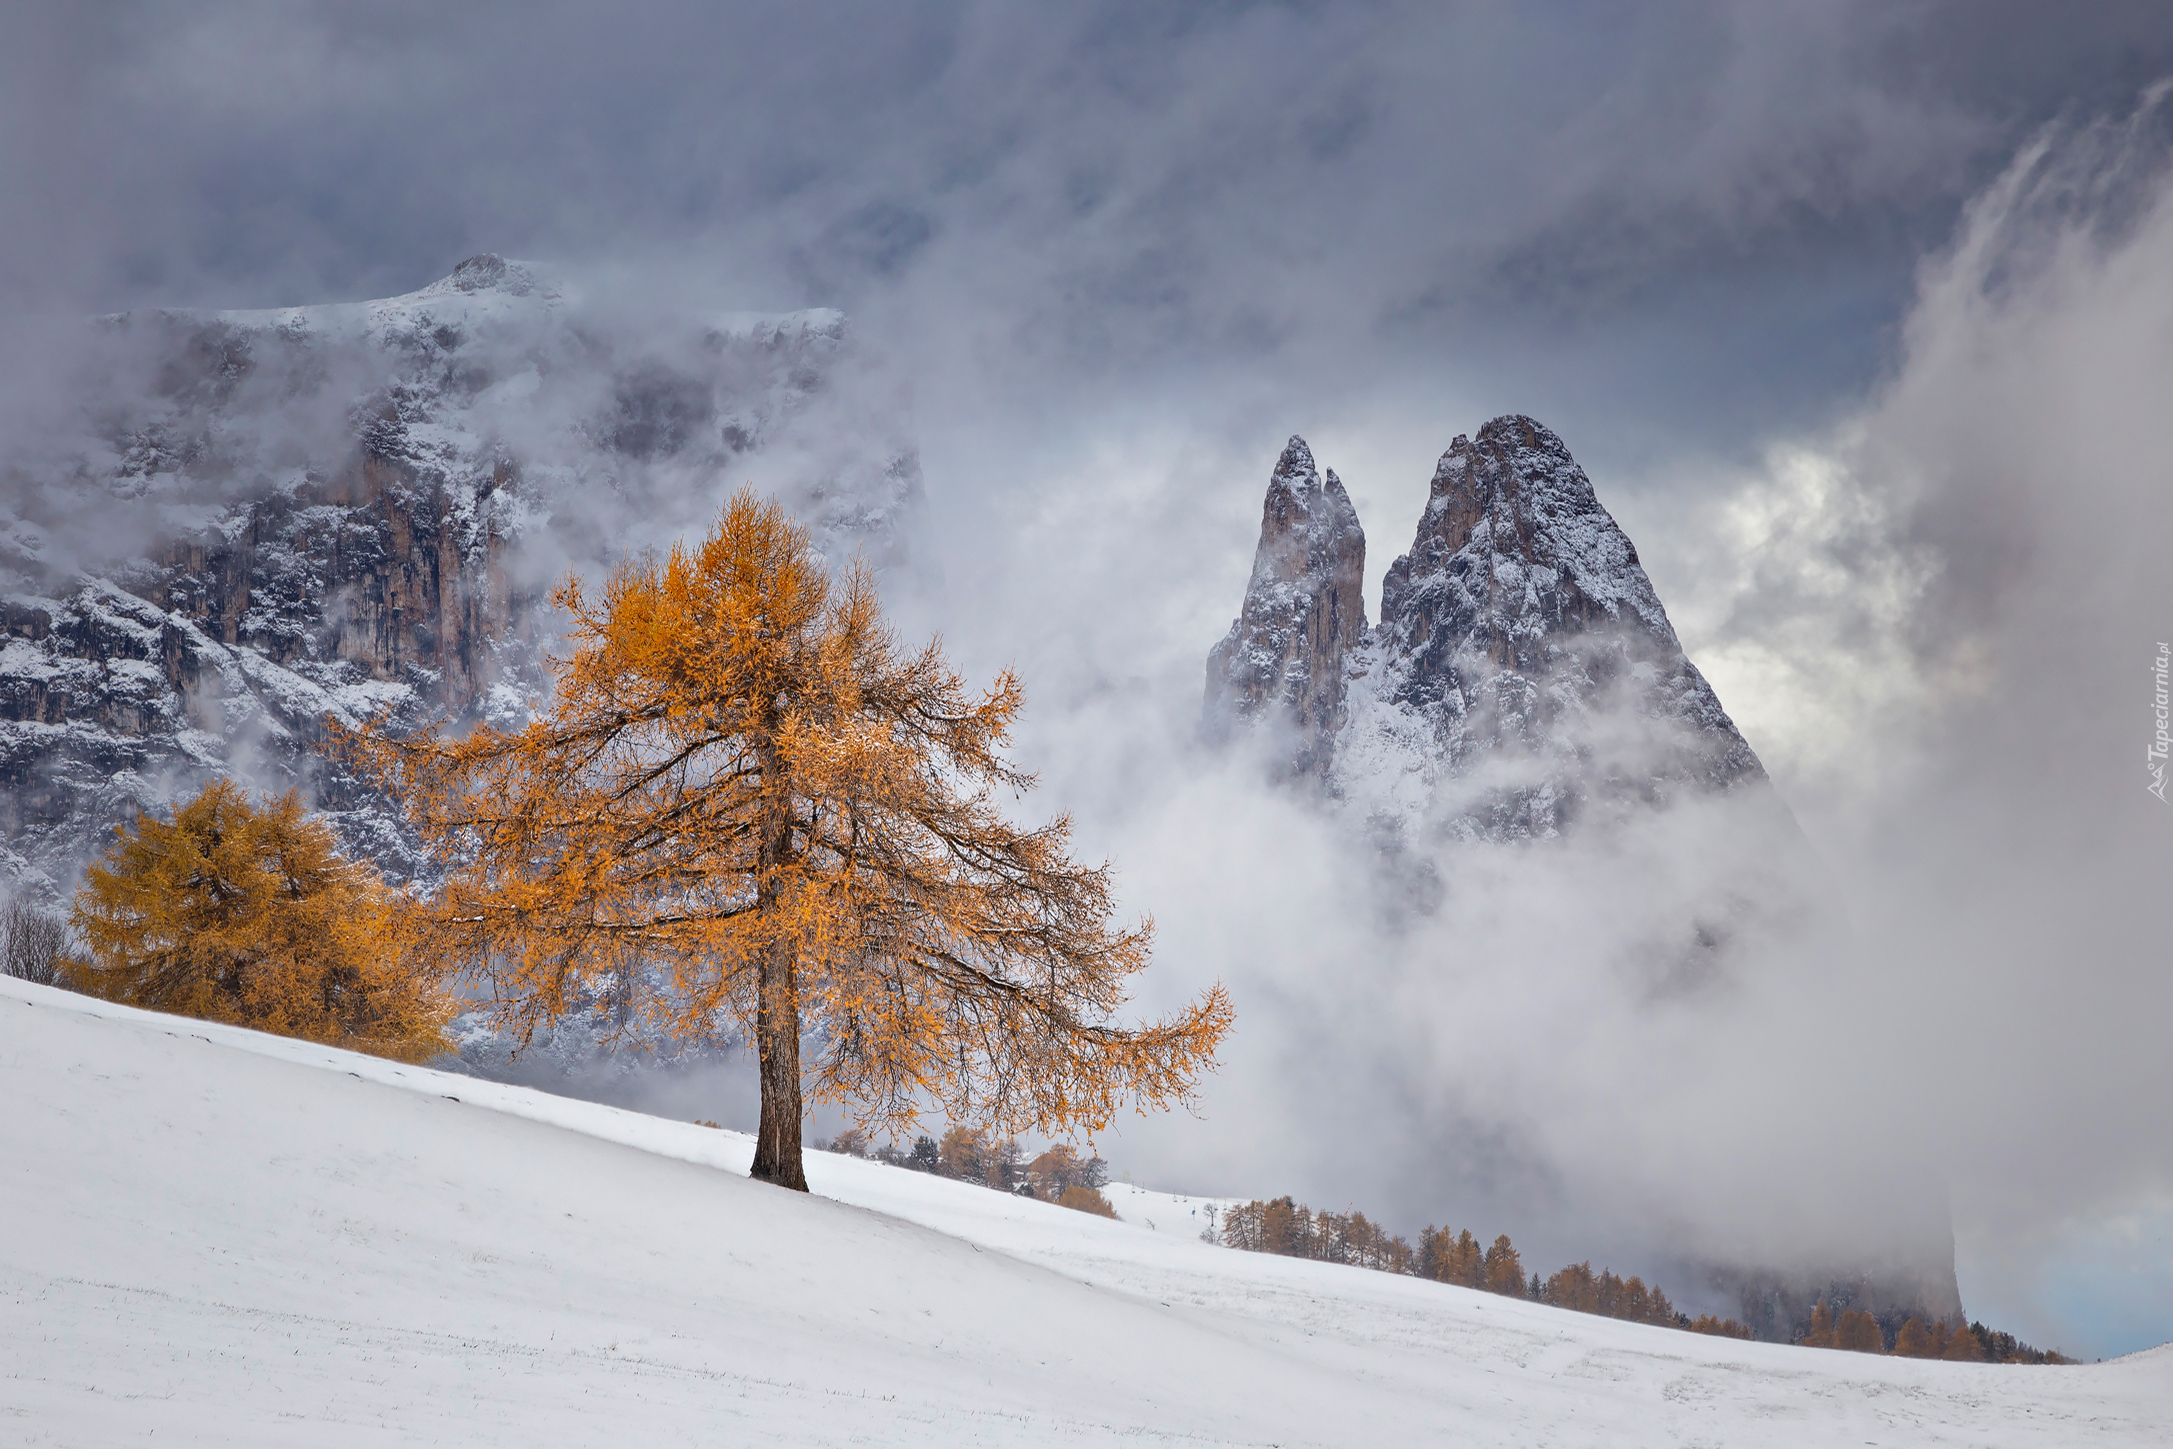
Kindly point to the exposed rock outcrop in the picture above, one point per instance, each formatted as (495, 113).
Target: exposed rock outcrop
(1524, 669)
(264, 517)
(1282, 661)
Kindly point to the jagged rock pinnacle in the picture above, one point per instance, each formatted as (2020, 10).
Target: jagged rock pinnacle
(1520, 630)
(1518, 634)
(1282, 661)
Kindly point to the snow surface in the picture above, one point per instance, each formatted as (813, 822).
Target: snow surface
(219, 1237)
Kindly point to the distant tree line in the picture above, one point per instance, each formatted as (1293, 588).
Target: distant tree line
(1287, 1227)
(973, 1154)
(1856, 1331)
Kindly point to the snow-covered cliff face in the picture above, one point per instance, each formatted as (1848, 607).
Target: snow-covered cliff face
(261, 518)
(1304, 612)
(1523, 670)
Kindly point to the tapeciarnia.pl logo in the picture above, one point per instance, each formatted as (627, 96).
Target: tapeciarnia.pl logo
(2156, 758)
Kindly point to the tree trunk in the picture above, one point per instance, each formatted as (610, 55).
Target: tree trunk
(777, 1001)
(777, 1043)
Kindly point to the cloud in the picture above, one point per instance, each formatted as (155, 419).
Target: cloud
(1934, 617)
(1944, 616)
(1335, 194)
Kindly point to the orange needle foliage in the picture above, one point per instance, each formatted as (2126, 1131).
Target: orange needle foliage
(249, 915)
(744, 781)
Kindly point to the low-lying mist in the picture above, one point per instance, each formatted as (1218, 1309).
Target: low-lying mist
(1937, 621)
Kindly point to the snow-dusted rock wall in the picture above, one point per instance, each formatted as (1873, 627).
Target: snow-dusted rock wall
(258, 518)
(1524, 670)
(1281, 664)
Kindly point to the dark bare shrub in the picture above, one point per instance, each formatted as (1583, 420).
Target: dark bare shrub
(30, 943)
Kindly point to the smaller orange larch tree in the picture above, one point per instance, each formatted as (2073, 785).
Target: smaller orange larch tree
(1061, 1168)
(249, 914)
(1963, 1345)
(1913, 1341)
(1503, 1269)
(1452, 1259)
(1858, 1332)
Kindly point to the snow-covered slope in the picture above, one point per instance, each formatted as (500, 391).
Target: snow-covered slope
(216, 1237)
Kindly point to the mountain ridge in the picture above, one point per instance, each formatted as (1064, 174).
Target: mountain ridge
(1519, 614)
(263, 517)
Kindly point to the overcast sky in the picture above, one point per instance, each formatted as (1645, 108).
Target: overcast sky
(1857, 315)
(1670, 220)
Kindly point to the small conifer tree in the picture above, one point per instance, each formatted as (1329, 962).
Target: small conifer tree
(1913, 1341)
(1858, 1332)
(249, 914)
(1503, 1270)
(1086, 1200)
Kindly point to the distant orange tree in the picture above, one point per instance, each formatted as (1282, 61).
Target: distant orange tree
(743, 782)
(246, 913)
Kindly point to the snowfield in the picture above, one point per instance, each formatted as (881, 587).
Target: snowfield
(218, 1237)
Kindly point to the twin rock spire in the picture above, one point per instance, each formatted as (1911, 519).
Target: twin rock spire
(1523, 668)
(1304, 614)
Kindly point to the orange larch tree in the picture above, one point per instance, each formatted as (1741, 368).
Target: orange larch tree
(1450, 1258)
(1858, 1332)
(743, 782)
(1503, 1269)
(246, 913)
(1913, 1341)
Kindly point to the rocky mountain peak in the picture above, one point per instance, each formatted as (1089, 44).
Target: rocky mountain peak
(1517, 543)
(1523, 666)
(1521, 632)
(490, 272)
(1282, 661)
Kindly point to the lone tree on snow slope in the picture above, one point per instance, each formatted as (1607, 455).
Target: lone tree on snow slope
(745, 782)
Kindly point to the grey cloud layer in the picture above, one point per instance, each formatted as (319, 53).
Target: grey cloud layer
(1089, 189)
